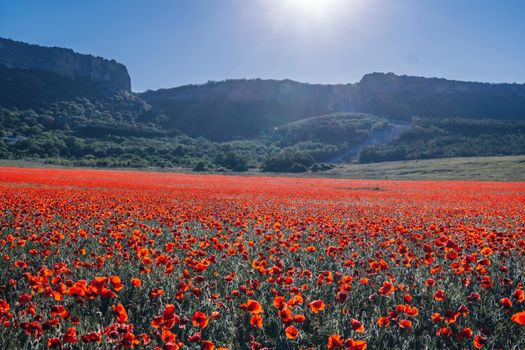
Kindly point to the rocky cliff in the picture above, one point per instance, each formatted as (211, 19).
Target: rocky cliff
(109, 75)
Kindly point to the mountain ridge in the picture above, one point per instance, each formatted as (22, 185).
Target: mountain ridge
(74, 113)
(268, 103)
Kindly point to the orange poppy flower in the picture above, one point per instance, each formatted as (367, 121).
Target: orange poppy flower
(411, 311)
(519, 295)
(256, 321)
(59, 310)
(120, 311)
(253, 307)
(286, 315)
(136, 282)
(436, 317)
(199, 319)
(486, 251)
(168, 318)
(335, 342)
(316, 306)
(405, 324)
(430, 282)
(155, 293)
(279, 302)
(506, 303)
(446, 331)
(519, 318)
(299, 318)
(357, 326)
(479, 341)
(54, 343)
(207, 345)
(383, 321)
(451, 317)
(99, 282)
(291, 332)
(439, 295)
(93, 337)
(464, 333)
(296, 300)
(352, 344)
(116, 283)
(342, 296)
(387, 288)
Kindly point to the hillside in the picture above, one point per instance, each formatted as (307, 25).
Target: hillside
(235, 109)
(68, 108)
(394, 96)
(242, 108)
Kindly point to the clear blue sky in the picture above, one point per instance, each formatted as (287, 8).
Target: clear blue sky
(165, 43)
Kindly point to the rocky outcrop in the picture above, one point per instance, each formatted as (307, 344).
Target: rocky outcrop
(110, 76)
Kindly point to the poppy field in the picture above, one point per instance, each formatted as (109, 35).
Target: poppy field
(119, 260)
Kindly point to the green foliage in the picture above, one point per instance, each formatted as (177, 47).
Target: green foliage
(451, 137)
(200, 166)
(333, 129)
(288, 161)
(232, 160)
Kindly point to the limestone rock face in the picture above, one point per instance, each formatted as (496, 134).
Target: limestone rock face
(110, 75)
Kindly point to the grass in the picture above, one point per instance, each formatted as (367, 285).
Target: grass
(503, 168)
(507, 168)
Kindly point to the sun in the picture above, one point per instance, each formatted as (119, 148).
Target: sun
(308, 15)
(314, 9)
(312, 19)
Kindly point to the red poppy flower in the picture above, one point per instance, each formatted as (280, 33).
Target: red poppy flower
(70, 337)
